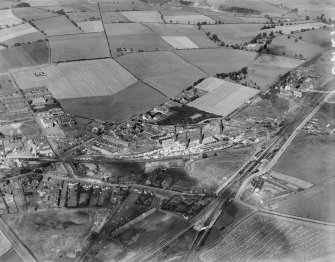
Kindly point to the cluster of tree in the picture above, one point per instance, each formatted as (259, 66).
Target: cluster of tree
(233, 75)
(268, 26)
(22, 4)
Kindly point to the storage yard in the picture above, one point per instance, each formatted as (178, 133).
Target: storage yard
(223, 97)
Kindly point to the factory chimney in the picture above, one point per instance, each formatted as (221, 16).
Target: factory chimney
(200, 135)
(221, 127)
(175, 133)
(186, 140)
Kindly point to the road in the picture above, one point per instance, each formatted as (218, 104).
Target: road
(20, 248)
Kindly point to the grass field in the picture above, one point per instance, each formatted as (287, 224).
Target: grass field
(16, 31)
(32, 13)
(126, 29)
(84, 16)
(265, 238)
(25, 39)
(78, 79)
(180, 42)
(312, 161)
(260, 6)
(54, 235)
(6, 83)
(191, 18)
(214, 171)
(134, 100)
(222, 60)
(223, 97)
(143, 16)
(224, 18)
(234, 33)
(287, 29)
(159, 68)
(7, 4)
(278, 61)
(264, 75)
(57, 25)
(7, 18)
(113, 17)
(190, 31)
(78, 47)
(70, 8)
(124, 6)
(5, 245)
(122, 44)
(318, 37)
(91, 26)
(27, 55)
(281, 45)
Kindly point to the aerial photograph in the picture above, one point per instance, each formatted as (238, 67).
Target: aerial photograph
(167, 130)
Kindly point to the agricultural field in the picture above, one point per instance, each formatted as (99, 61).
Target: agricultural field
(70, 8)
(317, 37)
(267, 238)
(126, 29)
(143, 16)
(254, 20)
(22, 56)
(55, 235)
(123, 44)
(32, 13)
(287, 29)
(278, 61)
(16, 31)
(124, 6)
(259, 7)
(264, 75)
(180, 42)
(223, 97)
(91, 26)
(57, 25)
(124, 105)
(113, 17)
(293, 47)
(214, 171)
(310, 7)
(234, 33)
(219, 60)
(198, 37)
(224, 18)
(25, 39)
(7, 4)
(181, 17)
(84, 16)
(8, 19)
(158, 68)
(78, 79)
(78, 47)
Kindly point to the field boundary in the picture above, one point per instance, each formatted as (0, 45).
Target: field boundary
(103, 26)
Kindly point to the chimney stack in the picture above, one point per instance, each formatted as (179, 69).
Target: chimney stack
(200, 135)
(221, 127)
(175, 133)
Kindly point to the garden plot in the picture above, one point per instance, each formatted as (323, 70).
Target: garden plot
(143, 16)
(180, 42)
(223, 97)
